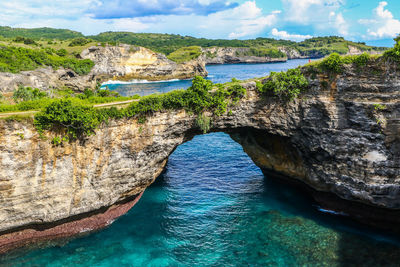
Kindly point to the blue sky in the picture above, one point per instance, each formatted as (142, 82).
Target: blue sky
(374, 22)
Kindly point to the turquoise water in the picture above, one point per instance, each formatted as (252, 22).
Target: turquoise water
(213, 207)
(217, 74)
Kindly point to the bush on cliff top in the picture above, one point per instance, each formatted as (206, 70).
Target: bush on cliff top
(75, 118)
(286, 85)
(394, 53)
(334, 63)
(80, 120)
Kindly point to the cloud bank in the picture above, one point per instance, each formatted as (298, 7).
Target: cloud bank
(142, 8)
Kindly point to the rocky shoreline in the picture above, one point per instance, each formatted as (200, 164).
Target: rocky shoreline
(38, 235)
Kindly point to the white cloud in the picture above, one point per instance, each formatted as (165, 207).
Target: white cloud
(383, 25)
(321, 15)
(287, 36)
(246, 20)
(341, 25)
(310, 11)
(251, 20)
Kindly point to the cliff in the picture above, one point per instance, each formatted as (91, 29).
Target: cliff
(123, 62)
(231, 55)
(340, 141)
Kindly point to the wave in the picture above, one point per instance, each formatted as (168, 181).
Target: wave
(332, 212)
(140, 81)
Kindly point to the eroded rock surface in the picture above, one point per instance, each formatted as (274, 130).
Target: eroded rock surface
(335, 139)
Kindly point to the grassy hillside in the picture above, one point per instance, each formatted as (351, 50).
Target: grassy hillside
(38, 33)
(16, 59)
(167, 43)
(176, 47)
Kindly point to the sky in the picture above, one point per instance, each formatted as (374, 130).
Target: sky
(373, 22)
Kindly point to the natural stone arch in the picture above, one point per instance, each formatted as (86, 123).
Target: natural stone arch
(331, 143)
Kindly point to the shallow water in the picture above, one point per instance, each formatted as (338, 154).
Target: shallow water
(214, 207)
(217, 74)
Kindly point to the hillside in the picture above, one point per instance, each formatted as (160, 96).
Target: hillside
(166, 44)
(38, 33)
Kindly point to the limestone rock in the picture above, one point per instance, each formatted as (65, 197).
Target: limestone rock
(329, 139)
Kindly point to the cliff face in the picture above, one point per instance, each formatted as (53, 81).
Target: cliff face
(123, 62)
(230, 55)
(335, 140)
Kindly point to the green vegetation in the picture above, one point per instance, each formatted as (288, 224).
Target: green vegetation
(27, 41)
(16, 59)
(26, 98)
(394, 53)
(61, 52)
(204, 123)
(75, 118)
(185, 54)
(79, 119)
(69, 44)
(286, 85)
(168, 43)
(38, 33)
(334, 63)
(379, 107)
(263, 52)
(79, 41)
(27, 94)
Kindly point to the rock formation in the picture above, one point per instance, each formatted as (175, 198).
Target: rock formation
(340, 139)
(230, 55)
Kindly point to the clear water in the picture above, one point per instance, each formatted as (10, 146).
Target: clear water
(217, 74)
(214, 207)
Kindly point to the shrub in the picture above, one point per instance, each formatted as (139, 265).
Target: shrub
(78, 120)
(79, 41)
(24, 40)
(332, 63)
(394, 53)
(286, 85)
(204, 123)
(27, 93)
(62, 52)
(361, 60)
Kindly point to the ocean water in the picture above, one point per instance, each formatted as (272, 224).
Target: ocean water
(217, 74)
(213, 207)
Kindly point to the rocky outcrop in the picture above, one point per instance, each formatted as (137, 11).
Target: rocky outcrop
(231, 55)
(123, 62)
(335, 140)
(45, 79)
(126, 62)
